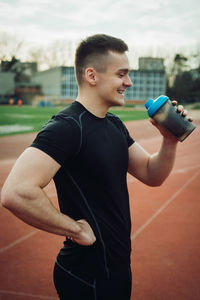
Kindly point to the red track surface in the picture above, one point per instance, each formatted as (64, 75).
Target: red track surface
(165, 231)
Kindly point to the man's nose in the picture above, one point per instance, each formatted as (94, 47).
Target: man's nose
(128, 82)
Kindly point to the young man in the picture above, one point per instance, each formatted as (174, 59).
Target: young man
(88, 152)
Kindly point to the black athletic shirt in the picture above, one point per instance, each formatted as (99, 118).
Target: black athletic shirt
(91, 184)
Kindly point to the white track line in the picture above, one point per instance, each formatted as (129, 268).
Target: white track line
(27, 236)
(132, 179)
(27, 295)
(8, 161)
(164, 206)
(184, 170)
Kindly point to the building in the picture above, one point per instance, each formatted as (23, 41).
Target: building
(59, 84)
(7, 86)
(149, 81)
(151, 63)
(146, 84)
(23, 70)
(15, 79)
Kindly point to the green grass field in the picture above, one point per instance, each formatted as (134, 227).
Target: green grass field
(15, 120)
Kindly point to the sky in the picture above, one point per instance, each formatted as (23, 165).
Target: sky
(142, 23)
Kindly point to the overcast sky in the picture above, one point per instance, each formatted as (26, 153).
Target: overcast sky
(143, 23)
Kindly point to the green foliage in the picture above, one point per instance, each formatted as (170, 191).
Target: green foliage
(185, 89)
(186, 81)
(180, 59)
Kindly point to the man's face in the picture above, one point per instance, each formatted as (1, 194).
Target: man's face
(111, 84)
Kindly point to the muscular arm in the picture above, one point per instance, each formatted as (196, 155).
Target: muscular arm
(24, 196)
(152, 169)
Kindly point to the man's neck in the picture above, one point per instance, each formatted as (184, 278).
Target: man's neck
(93, 105)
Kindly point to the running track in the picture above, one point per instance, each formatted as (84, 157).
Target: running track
(165, 230)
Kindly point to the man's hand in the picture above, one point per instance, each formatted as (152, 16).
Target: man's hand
(85, 236)
(181, 110)
(165, 133)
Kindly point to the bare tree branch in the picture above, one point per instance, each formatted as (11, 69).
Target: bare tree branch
(10, 46)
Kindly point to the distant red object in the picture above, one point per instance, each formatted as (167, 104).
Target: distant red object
(19, 102)
(11, 101)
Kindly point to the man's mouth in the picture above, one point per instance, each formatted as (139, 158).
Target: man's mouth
(121, 92)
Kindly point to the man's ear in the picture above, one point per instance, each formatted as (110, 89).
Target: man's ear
(90, 76)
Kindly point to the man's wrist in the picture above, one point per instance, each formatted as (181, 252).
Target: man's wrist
(172, 140)
(74, 231)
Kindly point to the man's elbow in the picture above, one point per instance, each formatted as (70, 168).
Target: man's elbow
(9, 198)
(156, 183)
(156, 180)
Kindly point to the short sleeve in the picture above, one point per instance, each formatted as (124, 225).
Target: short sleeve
(130, 140)
(59, 138)
(122, 128)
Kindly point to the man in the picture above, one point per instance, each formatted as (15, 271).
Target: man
(88, 151)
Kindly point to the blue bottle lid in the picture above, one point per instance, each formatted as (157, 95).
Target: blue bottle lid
(153, 105)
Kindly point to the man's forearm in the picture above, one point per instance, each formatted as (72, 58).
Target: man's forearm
(33, 206)
(161, 163)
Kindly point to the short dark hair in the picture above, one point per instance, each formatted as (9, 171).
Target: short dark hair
(93, 52)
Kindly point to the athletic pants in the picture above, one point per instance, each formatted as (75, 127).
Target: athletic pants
(71, 286)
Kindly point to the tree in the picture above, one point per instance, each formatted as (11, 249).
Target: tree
(195, 93)
(59, 53)
(186, 88)
(178, 66)
(55, 54)
(11, 46)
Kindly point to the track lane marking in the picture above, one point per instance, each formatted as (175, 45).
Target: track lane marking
(27, 295)
(132, 179)
(158, 211)
(18, 241)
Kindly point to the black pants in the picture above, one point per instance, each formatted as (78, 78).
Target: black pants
(71, 286)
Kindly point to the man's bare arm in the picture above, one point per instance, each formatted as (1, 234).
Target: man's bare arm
(24, 196)
(154, 169)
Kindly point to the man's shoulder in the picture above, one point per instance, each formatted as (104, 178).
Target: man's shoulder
(68, 117)
(114, 118)
(120, 125)
(60, 137)
(72, 112)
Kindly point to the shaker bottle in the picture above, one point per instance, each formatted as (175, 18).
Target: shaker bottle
(165, 113)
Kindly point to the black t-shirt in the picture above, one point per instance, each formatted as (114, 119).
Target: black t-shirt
(91, 184)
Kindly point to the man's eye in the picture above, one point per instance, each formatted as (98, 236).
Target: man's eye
(121, 75)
